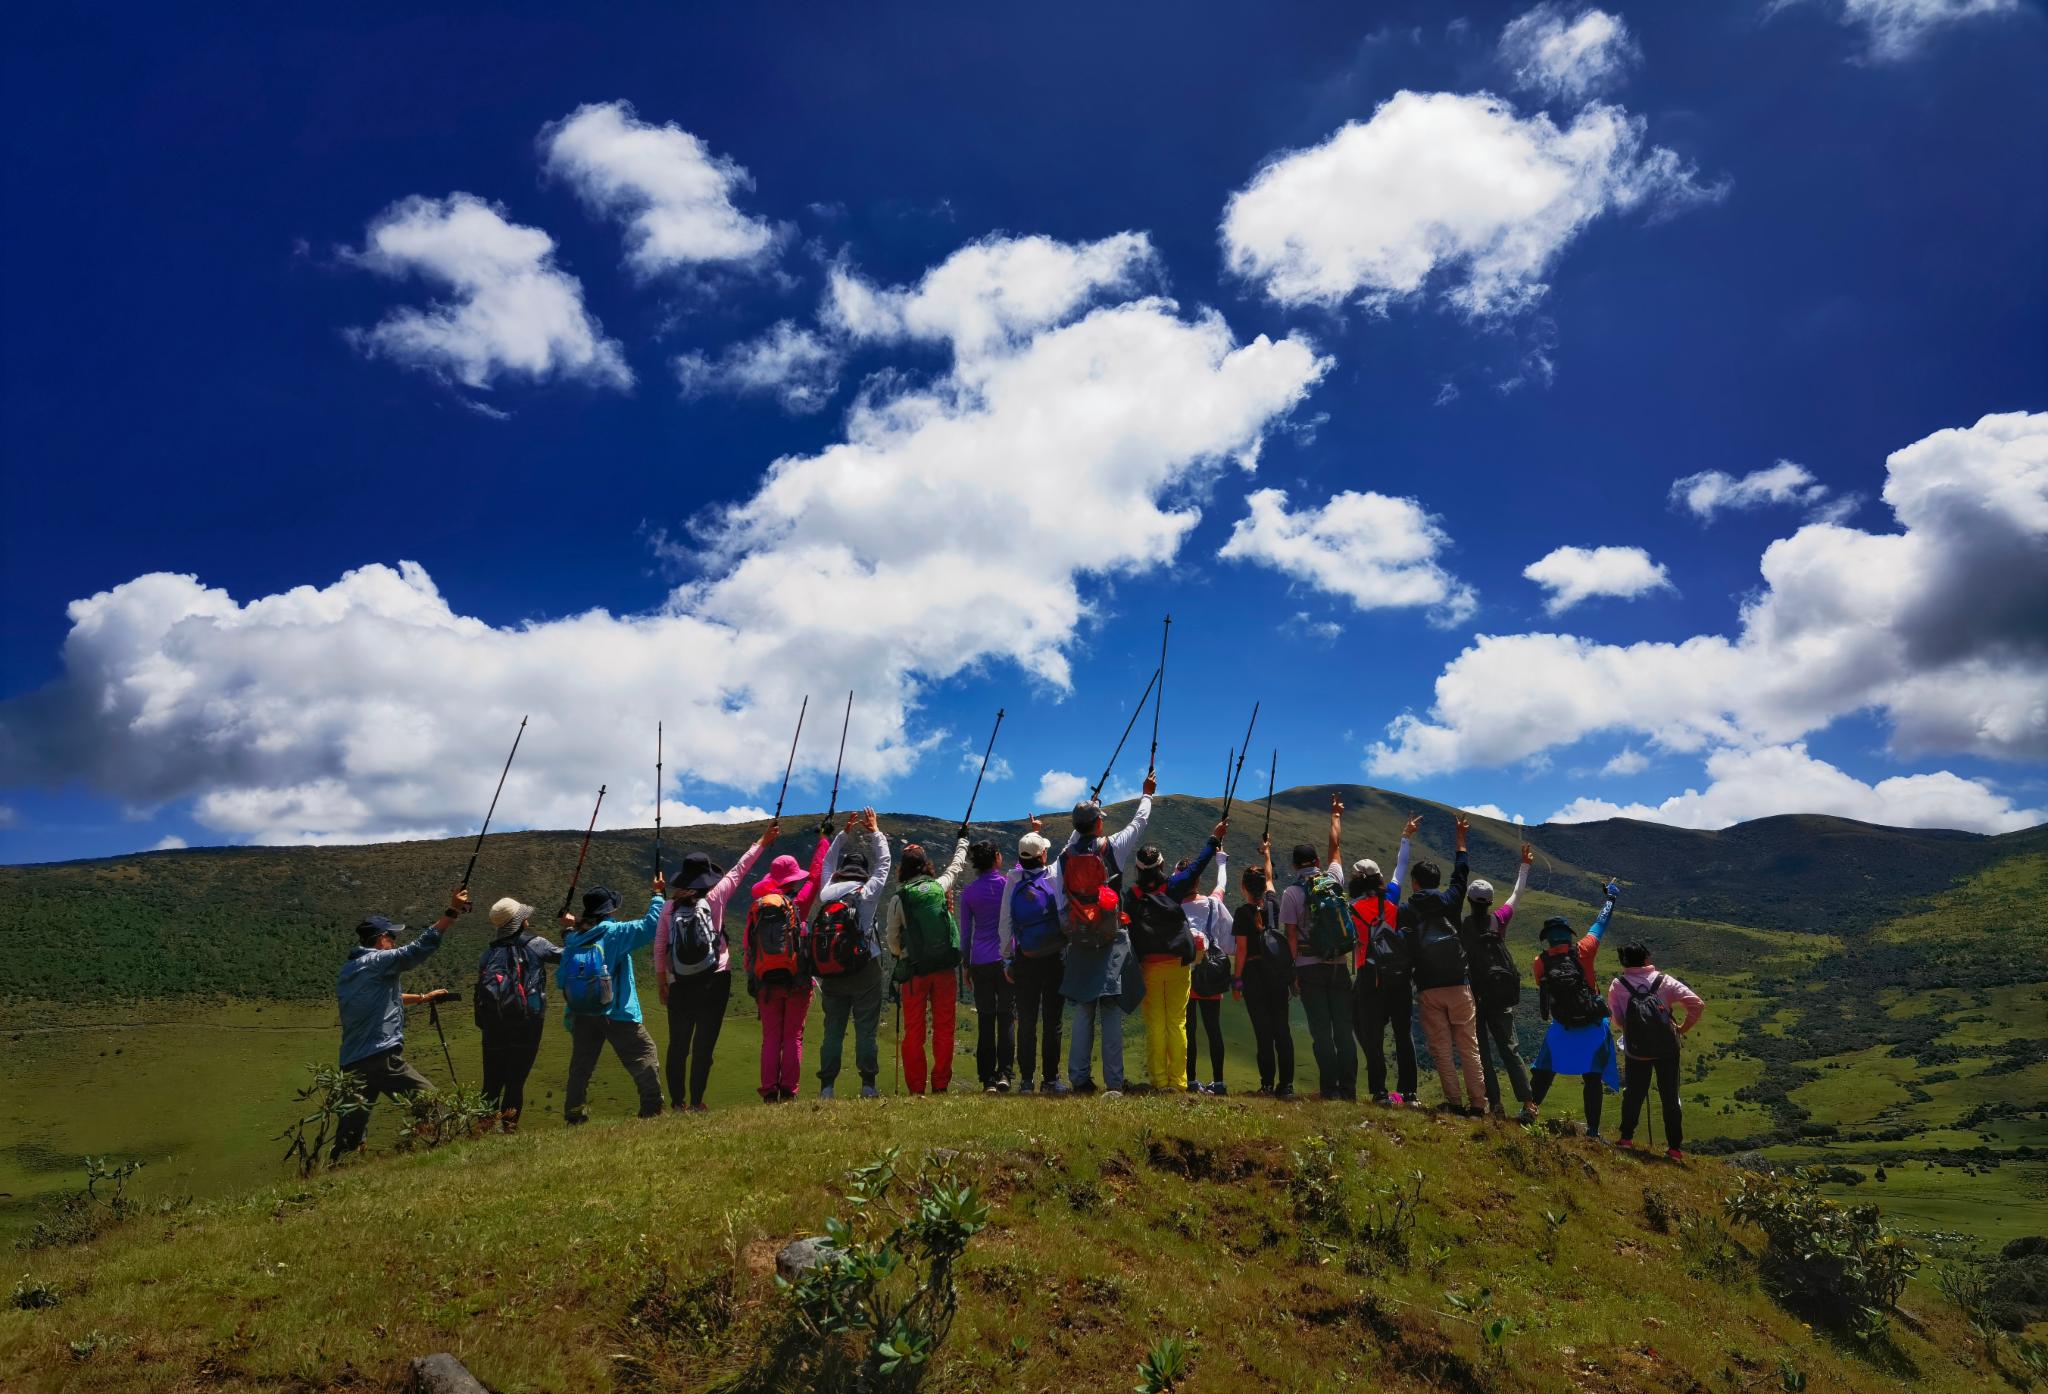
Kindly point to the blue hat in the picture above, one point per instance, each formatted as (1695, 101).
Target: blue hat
(1557, 930)
(599, 901)
(375, 927)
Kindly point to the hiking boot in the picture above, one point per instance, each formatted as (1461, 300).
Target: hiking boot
(1264, 1091)
(576, 1119)
(1112, 1093)
(1529, 1115)
(1059, 1088)
(868, 1091)
(1218, 1087)
(1002, 1084)
(825, 1091)
(1025, 1086)
(1672, 1154)
(699, 1108)
(1195, 1087)
(1081, 1086)
(508, 1121)
(1285, 1093)
(786, 1096)
(988, 1089)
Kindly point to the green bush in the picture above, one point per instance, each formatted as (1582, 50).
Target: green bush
(1838, 1264)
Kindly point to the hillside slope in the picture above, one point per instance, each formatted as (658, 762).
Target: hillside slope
(638, 1257)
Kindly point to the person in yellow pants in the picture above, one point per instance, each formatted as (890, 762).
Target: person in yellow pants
(1164, 945)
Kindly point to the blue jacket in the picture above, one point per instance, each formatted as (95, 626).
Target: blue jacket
(620, 938)
(369, 995)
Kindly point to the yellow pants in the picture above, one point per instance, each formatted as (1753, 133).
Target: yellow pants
(1166, 1023)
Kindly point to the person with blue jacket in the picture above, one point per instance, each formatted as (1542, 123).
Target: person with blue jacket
(373, 1013)
(599, 1002)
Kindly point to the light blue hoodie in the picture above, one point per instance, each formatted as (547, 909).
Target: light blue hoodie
(619, 938)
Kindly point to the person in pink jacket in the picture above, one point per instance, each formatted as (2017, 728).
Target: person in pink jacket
(781, 904)
(1643, 1004)
(693, 967)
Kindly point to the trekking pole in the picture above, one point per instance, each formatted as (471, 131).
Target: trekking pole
(1129, 726)
(1152, 760)
(1231, 796)
(792, 755)
(1271, 770)
(578, 875)
(470, 870)
(976, 795)
(657, 798)
(434, 1015)
(833, 807)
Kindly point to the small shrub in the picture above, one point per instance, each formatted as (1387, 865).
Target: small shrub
(1707, 1250)
(1553, 1227)
(31, 1295)
(1166, 1366)
(1839, 1264)
(91, 1344)
(97, 1206)
(308, 1137)
(1658, 1211)
(436, 1117)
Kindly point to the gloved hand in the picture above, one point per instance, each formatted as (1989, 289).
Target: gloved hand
(1613, 891)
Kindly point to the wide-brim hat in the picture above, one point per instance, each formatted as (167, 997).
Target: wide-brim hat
(697, 873)
(1556, 930)
(510, 914)
(784, 873)
(599, 901)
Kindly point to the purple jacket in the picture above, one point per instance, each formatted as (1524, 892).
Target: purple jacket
(981, 906)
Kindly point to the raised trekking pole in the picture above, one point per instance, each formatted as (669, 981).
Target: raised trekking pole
(657, 798)
(1272, 769)
(434, 1015)
(1231, 796)
(578, 874)
(976, 795)
(1129, 726)
(1152, 760)
(791, 763)
(470, 870)
(846, 721)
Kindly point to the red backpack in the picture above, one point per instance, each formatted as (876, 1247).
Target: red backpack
(775, 951)
(1094, 910)
(837, 945)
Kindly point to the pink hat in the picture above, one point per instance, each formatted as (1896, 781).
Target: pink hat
(783, 873)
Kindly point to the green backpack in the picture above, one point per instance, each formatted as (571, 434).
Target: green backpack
(931, 940)
(1328, 913)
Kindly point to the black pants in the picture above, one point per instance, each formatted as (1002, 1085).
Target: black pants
(1497, 1037)
(1375, 1008)
(995, 1018)
(1635, 1087)
(1039, 1005)
(1594, 1089)
(696, 1014)
(509, 1052)
(1266, 999)
(380, 1075)
(1210, 1012)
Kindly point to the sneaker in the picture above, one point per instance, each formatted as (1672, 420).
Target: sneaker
(1285, 1093)
(1195, 1087)
(1626, 1144)
(787, 1096)
(1002, 1084)
(1382, 1100)
(825, 1091)
(1264, 1091)
(868, 1091)
(1394, 1100)
(1529, 1114)
(1058, 1088)
(1672, 1154)
(699, 1108)
(1112, 1093)
(1218, 1087)
(1592, 1135)
(1025, 1086)
(988, 1089)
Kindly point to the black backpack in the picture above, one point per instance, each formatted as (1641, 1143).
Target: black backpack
(1387, 951)
(1158, 925)
(508, 991)
(1214, 970)
(1439, 954)
(1568, 994)
(1496, 981)
(1646, 1028)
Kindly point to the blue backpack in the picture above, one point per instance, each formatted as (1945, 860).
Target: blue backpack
(1035, 915)
(585, 978)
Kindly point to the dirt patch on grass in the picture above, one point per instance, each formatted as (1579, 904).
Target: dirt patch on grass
(1199, 1161)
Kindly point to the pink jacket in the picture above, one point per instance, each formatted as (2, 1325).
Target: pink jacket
(1671, 992)
(715, 900)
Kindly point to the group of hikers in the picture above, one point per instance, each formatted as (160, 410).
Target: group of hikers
(1105, 924)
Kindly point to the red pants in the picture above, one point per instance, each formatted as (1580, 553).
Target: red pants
(942, 992)
(782, 1007)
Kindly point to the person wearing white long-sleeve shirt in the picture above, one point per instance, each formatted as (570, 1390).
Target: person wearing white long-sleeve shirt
(857, 880)
(1208, 918)
(1093, 977)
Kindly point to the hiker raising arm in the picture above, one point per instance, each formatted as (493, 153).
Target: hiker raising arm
(1320, 935)
(845, 953)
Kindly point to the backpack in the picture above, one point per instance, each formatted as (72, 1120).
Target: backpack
(1157, 924)
(1035, 915)
(1094, 910)
(931, 939)
(506, 993)
(1439, 952)
(1496, 980)
(1646, 1029)
(775, 947)
(693, 944)
(585, 979)
(1568, 993)
(1382, 949)
(837, 945)
(1213, 971)
(1329, 933)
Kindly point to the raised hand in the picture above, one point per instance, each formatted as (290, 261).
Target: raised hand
(1151, 783)
(1463, 825)
(1613, 889)
(867, 819)
(1528, 854)
(1412, 827)
(1336, 803)
(1220, 829)
(768, 837)
(1037, 824)
(459, 901)
(660, 883)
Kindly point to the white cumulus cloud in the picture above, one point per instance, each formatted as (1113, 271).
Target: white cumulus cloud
(169, 842)
(1445, 187)
(1494, 811)
(361, 709)
(511, 311)
(1376, 551)
(1565, 55)
(1938, 627)
(1762, 782)
(1714, 491)
(1573, 574)
(674, 196)
(1058, 789)
(1895, 30)
(798, 367)
(1625, 762)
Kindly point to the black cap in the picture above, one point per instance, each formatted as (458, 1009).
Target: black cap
(697, 873)
(599, 901)
(853, 862)
(376, 927)
(1087, 816)
(1304, 855)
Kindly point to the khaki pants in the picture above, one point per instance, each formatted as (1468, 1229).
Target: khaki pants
(1448, 1017)
(588, 1036)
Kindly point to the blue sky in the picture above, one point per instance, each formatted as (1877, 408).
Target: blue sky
(451, 358)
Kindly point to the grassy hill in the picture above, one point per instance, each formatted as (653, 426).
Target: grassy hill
(639, 1257)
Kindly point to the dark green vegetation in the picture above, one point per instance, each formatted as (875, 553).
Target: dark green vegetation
(1878, 995)
(1226, 1244)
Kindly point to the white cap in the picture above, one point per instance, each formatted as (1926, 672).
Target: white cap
(509, 911)
(1033, 845)
(1365, 866)
(1480, 890)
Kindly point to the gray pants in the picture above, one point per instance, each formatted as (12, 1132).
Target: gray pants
(384, 1073)
(1497, 1037)
(635, 1049)
(858, 995)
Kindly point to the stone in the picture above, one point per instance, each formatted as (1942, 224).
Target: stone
(799, 1256)
(442, 1373)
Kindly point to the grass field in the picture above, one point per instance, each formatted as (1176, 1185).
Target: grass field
(1113, 1223)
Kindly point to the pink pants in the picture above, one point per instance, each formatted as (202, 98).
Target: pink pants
(783, 1007)
(942, 992)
